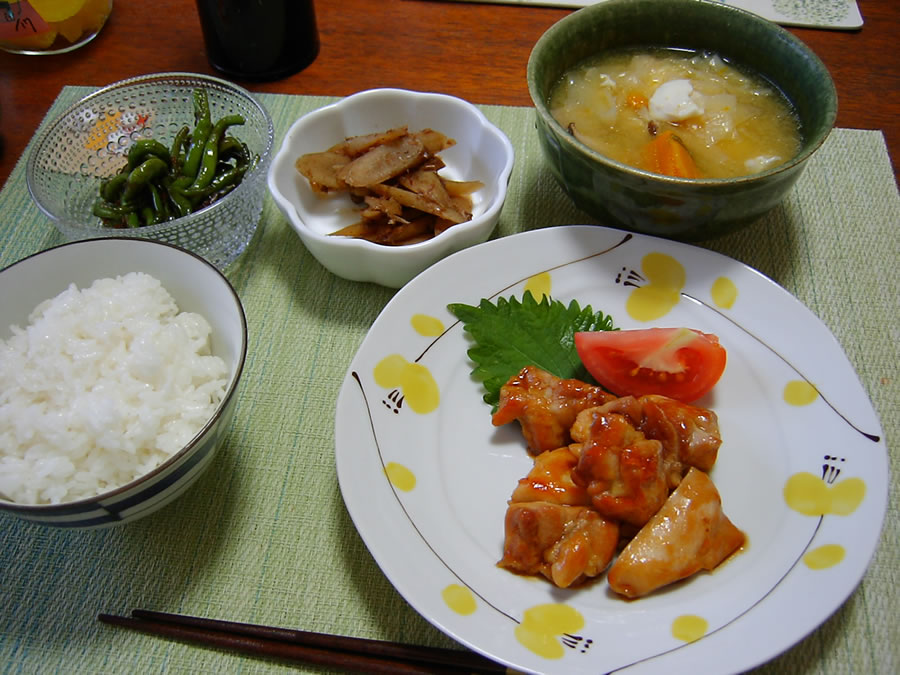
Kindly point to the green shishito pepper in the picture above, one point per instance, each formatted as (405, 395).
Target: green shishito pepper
(160, 183)
(141, 176)
(144, 149)
(177, 144)
(210, 158)
(202, 128)
(111, 188)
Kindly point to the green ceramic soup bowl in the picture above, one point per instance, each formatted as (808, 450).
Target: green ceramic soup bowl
(678, 208)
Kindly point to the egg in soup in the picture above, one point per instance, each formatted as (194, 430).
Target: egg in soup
(684, 114)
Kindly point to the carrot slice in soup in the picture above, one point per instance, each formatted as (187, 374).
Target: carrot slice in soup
(666, 154)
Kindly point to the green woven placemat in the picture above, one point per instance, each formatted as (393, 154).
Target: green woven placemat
(264, 536)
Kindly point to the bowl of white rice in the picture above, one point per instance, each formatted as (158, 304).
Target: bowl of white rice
(120, 360)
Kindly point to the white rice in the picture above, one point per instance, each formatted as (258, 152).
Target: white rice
(102, 386)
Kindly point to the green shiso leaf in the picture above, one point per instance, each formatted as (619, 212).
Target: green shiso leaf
(512, 334)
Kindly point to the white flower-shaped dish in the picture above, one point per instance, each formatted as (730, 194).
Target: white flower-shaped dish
(482, 152)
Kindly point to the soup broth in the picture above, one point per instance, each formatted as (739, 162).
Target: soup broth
(686, 114)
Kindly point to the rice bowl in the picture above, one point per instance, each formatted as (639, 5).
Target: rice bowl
(115, 393)
(103, 385)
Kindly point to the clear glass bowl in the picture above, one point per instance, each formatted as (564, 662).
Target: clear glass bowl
(51, 26)
(89, 142)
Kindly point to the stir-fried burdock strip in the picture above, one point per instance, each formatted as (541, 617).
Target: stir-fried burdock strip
(383, 162)
(393, 174)
(357, 145)
(390, 234)
(423, 203)
(389, 208)
(321, 169)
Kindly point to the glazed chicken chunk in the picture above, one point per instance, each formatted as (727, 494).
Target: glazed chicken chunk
(690, 533)
(608, 471)
(545, 406)
(689, 435)
(551, 480)
(621, 469)
(566, 544)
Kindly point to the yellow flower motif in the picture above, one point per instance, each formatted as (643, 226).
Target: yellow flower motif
(414, 380)
(543, 624)
(400, 476)
(427, 326)
(724, 293)
(824, 556)
(666, 278)
(460, 599)
(799, 393)
(810, 495)
(689, 627)
(539, 285)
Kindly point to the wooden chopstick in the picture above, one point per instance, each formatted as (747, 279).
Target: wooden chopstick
(349, 653)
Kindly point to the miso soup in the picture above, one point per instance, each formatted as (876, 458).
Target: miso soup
(686, 114)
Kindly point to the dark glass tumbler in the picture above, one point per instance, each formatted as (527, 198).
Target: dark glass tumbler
(259, 39)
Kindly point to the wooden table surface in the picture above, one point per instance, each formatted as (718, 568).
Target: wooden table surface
(476, 51)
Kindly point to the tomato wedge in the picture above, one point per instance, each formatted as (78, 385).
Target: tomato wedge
(680, 363)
